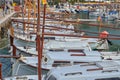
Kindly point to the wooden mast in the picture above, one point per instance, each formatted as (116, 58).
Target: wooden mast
(42, 41)
(38, 42)
(29, 9)
(34, 16)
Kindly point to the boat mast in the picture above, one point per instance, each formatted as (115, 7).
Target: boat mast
(42, 41)
(38, 42)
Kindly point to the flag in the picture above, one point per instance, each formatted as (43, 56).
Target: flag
(44, 1)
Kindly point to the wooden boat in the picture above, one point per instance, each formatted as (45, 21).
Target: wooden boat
(63, 45)
(105, 70)
(100, 70)
(54, 59)
(24, 77)
(51, 45)
(34, 64)
(31, 36)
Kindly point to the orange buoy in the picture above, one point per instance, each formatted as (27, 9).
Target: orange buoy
(104, 34)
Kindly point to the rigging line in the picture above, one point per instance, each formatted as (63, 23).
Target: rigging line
(81, 30)
(103, 26)
(23, 13)
(69, 35)
(63, 28)
(74, 30)
(63, 21)
(74, 35)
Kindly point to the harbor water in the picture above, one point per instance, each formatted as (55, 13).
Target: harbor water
(114, 28)
(6, 65)
(4, 50)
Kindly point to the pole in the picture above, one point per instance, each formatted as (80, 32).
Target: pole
(99, 29)
(14, 50)
(42, 41)
(11, 40)
(38, 42)
(23, 16)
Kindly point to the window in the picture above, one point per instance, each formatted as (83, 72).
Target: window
(73, 73)
(56, 50)
(75, 50)
(61, 63)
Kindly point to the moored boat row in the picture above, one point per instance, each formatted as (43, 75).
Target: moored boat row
(61, 57)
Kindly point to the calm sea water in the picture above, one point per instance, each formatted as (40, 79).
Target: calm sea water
(115, 43)
(6, 64)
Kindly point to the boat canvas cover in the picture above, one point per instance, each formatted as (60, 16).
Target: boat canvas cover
(66, 56)
(67, 45)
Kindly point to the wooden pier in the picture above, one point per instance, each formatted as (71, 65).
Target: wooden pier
(5, 21)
